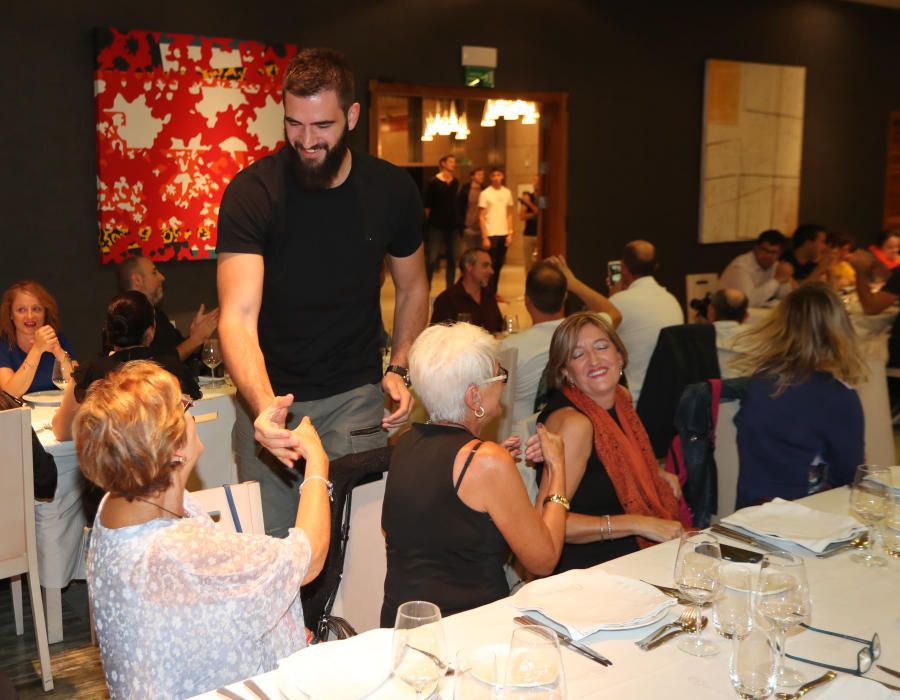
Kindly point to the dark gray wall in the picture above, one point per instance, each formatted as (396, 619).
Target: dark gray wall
(634, 71)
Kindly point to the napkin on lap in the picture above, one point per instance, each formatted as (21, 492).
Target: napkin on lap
(791, 521)
(585, 601)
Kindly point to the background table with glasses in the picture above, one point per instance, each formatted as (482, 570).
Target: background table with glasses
(845, 597)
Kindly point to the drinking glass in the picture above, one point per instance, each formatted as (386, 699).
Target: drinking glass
(211, 355)
(732, 609)
(62, 372)
(752, 667)
(534, 667)
(891, 530)
(782, 599)
(419, 649)
(871, 498)
(697, 578)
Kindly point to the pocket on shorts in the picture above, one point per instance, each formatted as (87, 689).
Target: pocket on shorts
(366, 433)
(367, 437)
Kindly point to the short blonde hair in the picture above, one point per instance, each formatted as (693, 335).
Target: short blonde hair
(809, 331)
(565, 338)
(444, 361)
(128, 428)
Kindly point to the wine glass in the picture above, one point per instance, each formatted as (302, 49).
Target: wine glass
(871, 497)
(891, 531)
(62, 372)
(419, 649)
(211, 355)
(697, 578)
(732, 608)
(782, 599)
(534, 667)
(478, 673)
(752, 667)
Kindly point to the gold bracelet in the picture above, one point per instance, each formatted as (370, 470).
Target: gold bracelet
(558, 498)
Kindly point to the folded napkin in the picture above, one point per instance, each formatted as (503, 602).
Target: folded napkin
(584, 601)
(790, 521)
(346, 669)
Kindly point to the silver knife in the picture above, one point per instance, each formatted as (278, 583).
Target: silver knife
(836, 550)
(741, 537)
(582, 649)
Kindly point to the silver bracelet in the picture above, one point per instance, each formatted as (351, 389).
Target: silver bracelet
(328, 485)
(608, 527)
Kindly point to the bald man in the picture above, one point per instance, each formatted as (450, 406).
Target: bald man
(646, 307)
(727, 310)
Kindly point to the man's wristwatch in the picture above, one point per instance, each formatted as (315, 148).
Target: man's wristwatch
(402, 371)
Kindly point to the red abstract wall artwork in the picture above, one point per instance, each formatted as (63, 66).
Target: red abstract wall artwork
(177, 116)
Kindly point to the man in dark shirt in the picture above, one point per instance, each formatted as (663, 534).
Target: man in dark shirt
(471, 294)
(807, 254)
(141, 275)
(443, 218)
(302, 237)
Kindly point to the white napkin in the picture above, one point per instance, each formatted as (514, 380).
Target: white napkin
(796, 523)
(346, 669)
(587, 600)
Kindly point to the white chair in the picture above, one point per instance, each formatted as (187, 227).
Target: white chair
(247, 501)
(18, 547)
(500, 428)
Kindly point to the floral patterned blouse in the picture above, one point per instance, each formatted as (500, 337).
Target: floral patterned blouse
(181, 607)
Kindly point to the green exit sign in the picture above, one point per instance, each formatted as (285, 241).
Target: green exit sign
(479, 77)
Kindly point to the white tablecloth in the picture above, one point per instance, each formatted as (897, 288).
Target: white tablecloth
(846, 597)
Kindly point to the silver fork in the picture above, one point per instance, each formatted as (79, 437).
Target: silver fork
(687, 619)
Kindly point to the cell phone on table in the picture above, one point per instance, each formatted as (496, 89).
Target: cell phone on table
(736, 554)
(614, 271)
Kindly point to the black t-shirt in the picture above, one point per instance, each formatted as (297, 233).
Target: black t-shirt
(168, 337)
(320, 316)
(440, 198)
(801, 270)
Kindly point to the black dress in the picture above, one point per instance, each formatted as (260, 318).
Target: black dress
(438, 549)
(595, 496)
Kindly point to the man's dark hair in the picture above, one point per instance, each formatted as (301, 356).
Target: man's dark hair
(546, 287)
(445, 158)
(124, 271)
(772, 237)
(806, 232)
(496, 169)
(836, 239)
(469, 257)
(315, 70)
(730, 306)
(640, 258)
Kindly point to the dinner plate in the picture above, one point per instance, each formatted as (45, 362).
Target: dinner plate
(50, 397)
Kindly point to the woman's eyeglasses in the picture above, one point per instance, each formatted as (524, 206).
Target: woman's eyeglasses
(502, 376)
(865, 657)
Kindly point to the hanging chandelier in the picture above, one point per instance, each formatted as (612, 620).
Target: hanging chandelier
(510, 110)
(445, 123)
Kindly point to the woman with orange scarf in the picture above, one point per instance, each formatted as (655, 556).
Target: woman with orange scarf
(620, 498)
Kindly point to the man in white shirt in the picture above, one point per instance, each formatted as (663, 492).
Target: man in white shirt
(758, 273)
(545, 296)
(495, 215)
(646, 308)
(727, 310)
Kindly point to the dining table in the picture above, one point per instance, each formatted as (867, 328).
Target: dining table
(845, 597)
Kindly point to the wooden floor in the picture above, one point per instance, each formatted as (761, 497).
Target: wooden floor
(75, 661)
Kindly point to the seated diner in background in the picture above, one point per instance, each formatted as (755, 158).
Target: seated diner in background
(180, 606)
(454, 506)
(800, 425)
(758, 273)
(886, 250)
(128, 329)
(841, 275)
(620, 498)
(29, 341)
(807, 254)
(471, 299)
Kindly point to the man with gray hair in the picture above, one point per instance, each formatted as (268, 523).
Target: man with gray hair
(471, 298)
(727, 310)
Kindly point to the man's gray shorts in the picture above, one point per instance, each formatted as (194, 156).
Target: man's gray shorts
(347, 423)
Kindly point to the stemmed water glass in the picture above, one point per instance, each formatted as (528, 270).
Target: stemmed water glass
(782, 599)
(732, 609)
(752, 667)
(211, 355)
(419, 648)
(697, 579)
(871, 497)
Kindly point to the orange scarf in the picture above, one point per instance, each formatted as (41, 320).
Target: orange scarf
(628, 457)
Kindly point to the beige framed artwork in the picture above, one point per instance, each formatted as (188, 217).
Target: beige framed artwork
(752, 147)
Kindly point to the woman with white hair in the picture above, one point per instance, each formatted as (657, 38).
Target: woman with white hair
(454, 506)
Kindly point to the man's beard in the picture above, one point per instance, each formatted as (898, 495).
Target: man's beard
(319, 176)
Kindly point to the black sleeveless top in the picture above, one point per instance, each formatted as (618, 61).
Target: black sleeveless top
(438, 549)
(595, 495)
